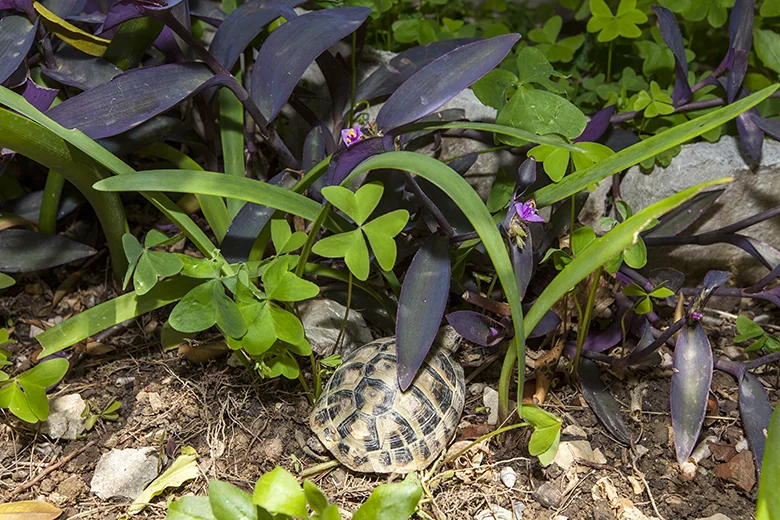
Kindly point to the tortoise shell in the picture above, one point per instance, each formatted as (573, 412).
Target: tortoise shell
(370, 425)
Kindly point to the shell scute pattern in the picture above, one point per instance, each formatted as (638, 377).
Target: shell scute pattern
(365, 420)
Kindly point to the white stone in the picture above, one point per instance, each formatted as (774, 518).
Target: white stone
(65, 420)
(322, 321)
(490, 400)
(508, 476)
(494, 513)
(755, 189)
(124, 473)
(716, 516)
(570, 451)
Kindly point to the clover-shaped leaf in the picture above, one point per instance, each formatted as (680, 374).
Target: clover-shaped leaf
(205, 306)
(547, 42)
(351, 246)
(6, 281)
(541, 112)
(495, 88)
(655, 103)
(610, 26)
(282, 285)
(147, 267)
(555, 160)
(533, 67)
(285, 241)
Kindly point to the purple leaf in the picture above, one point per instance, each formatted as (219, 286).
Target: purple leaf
(291, 48)
(671, 278)
(154, 130)
(678, 220)
(346, 159)
(39, 97)
(741, 40)
(750, 135)
(249, 223)
(522, 263)
(207, 11)
(65, 8)
(28, 206)
(712, 280)
(421, 306)
(16, 37)
(547, 324)
(601, 401)
(21, 5)
(477, 328)
(77, 69)
(339, 82)
(526, 176)
(597, 126)
(604, 340)
(387, 78)
(244, 24)
(23, 251)
(441, 80)
(769, 126)
(756, 410)
(691, 379)
(127, 100)
(125, 10)
(167, 44)
(464, 163)
(671, 34)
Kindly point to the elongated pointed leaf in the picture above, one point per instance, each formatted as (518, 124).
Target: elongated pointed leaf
(66, 31)
(632, 155)
(441, 80)
(477, 328)
(22, 251)
(291, 48)
(388, 77)
(741, 40)
(421, 306)
(16, 37)
(29, 510)
(244, 24)
(690, 387)
(28, 206)
(750, 135)
(39, 97)
(756, 411)
(125, 10)
(597, 126)
(127, 100)
(678, 220)
(522, 263)
(77, 69)
(671, 34)
(346, 158)
(601, 401)
(768, 498)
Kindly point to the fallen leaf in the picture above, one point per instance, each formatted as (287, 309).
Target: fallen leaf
(29, 510)
(184, 468)
(740, 470)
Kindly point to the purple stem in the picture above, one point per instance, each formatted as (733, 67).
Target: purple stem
(731, 367)
(689, 107)
(428, 204)
(769, 358)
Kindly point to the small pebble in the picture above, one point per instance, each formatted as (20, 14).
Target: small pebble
(517, 509)
(122, 381)
(548, 495)
(508, 476)
(476, 388)
(764, 318)
(494, 512)
(490, 400)
(741, 445)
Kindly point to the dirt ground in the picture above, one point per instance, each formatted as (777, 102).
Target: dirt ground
(242, 427)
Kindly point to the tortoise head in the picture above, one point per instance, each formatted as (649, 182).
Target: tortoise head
(448, 339)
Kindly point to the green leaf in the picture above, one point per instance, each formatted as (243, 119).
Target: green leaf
(648, 148)
(581, 239)
(191, 508)
(230, 503)
(228, 316)
(316, 499)
(358, 205)
(351, 246)
(155, 238)
(261, 332)
(197, 311)
(634, 290)
(46, 373)
(12, 397)
(542, 112)
(331, 513)
(768, 504)
(533, 67)
(283, 365)
(164, 264)
(145, 276)
(500, 193)
(279, 493)
(36, 398)
(133, 252)
(184, 468)
(748, 329)
(69, 33)
(547, 430)
(380, 233)
(280, 234)
(757, 345)
(6, 281)
(554, 160)
(769, 9)
(286, 325)
(610, 26)
(396, 501)
(282, 285)
(492, 89)
(661, 292)
(768, 48)
(644, 306)
(635, 256)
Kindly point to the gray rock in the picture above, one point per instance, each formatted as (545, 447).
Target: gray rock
(124, 473)
(755, 189)
(517, 509)
(65, 420)
(494, 512)
(716, 516)
(548, 495)
(322, 320)
(490, 400)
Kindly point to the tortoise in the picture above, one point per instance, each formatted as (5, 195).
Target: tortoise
(371, 426)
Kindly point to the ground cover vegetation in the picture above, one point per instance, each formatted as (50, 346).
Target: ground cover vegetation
(205, 112)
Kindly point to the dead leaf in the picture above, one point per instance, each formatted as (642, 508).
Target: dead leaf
(184, 468)
(29, 510)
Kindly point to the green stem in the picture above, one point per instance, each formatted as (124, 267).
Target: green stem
(582, 333)
(305, 385)
(50, 203)
(609, 61)
(315, 229)
(346, 313)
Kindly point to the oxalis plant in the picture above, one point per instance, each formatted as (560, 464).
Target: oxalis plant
(346, 201)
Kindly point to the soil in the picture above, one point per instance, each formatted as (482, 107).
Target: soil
(242, 427)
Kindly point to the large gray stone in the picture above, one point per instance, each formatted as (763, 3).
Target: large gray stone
(322, 321)
(124, 473)
(65, 420)
(755, 189)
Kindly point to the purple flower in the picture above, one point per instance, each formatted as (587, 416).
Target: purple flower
(696, 316)
(352, 135)
(527, 211)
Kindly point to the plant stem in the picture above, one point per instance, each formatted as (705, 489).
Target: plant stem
(609, 61)
(428, 204)
(689, 107)
(584, 325)
(313, 232)
(346, 313)
(50, 203)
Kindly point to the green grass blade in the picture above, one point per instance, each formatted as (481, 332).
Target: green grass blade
(213, 208)
(113, 163)
(217, 184)
(768, 505)
(231, 132)
(88, 323)
(456, 187)
(552, 140)
(50, 203)
(31, 140)
(635, 154)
